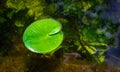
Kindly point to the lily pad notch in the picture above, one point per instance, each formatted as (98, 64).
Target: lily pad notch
(43, 36)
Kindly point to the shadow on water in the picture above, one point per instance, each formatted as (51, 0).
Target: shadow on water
(6, 46)
(5, 41)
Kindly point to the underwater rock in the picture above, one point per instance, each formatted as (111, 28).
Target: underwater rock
(71, 56)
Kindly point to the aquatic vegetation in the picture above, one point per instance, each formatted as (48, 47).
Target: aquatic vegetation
(43, 36)
(35, 7)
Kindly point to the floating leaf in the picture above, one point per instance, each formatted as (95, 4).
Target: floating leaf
(43, 36)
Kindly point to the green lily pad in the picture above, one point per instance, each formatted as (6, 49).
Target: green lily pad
(43, 36)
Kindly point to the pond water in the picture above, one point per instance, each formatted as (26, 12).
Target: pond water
(14, 57)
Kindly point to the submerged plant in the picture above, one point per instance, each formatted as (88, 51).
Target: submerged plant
(43, 36)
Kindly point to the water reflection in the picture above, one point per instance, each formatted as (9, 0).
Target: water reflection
(112, 11)
(113, 54)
